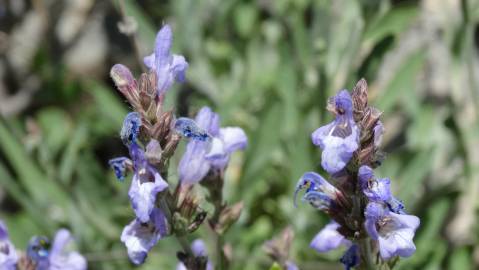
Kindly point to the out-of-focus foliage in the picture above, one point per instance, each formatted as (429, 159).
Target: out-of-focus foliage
(267, 66)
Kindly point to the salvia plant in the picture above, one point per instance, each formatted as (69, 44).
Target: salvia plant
(365, 217)
(164, 207)
(41, 254)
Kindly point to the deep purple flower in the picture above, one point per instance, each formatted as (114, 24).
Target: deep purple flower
(394, 232)
(167, 66)
(375, 189)
(8, 255)
(131, 128)
(351, 257)
(202, 155)
(188, 128)
(395, 206)
(119, 166)
(340, 138)
(139, 238)
(63, 260)
(319, 192)
(199, 250)
(329, 238)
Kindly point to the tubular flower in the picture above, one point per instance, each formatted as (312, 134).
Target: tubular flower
(340, 138)
(319, 192)
(394, 232)
(329, 238)
(139, 238)
(145, 185)
(203, 155)
(167, 66)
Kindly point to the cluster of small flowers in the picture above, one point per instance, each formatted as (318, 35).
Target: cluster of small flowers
(152, 135)
(40, 255)
(366, 217)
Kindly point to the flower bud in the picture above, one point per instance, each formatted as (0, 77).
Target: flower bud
(124, 80)
(228, 216)
(359, 96)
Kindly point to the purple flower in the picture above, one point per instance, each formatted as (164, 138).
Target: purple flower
(189, 129)
(8, 255)
(319, 192)
(167, 66)
(375, 189)
(131, 128)
(202, 155)
(139, 238)
(340, 138)
(290, 265)
(119, 166)
(351, 257)
(55, 256)
(394, 232)
(329, 238)
(199, 250)
(62, 260)
(145, 185)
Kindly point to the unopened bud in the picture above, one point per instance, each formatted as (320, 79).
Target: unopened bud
(123, 78)
(278, 248)
(359, 96)
(151, 90)
(368, 122)
(163, 126)
(171, 145)
(228, 216)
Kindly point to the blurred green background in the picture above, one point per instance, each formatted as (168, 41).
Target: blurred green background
(267, 66)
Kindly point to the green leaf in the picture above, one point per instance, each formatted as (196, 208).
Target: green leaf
(44, 191)
(402, 86)
(393, 22)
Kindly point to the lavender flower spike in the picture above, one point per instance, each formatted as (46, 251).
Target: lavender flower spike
(202, 155)
(394, 232)
(140, 237)
(339, 139)
(61, 260)
(329, 238)
(8, 255)
(167, 66)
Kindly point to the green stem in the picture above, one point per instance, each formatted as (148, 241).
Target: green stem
(365, 254)
(185, 245)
